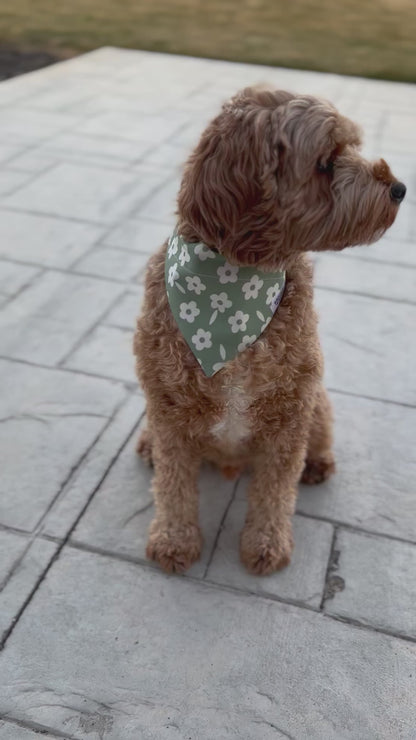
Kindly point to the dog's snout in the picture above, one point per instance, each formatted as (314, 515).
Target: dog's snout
(397, 191)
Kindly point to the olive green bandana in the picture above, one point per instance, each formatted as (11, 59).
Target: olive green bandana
(220, 309)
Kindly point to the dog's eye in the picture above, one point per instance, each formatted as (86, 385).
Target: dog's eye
(328, 167)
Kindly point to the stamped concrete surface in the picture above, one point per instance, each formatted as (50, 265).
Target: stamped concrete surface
(95, 641)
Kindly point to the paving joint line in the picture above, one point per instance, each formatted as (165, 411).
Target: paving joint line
(103, 247)
(220, 528)
(37, 728)
(67, 270)
(132, 385)
(375, 262)
(83, 337)
(72, 472)
(207, 583)
(376, 399)
(29, 181)
(338, 523)
(128, 385)
(84, 159)
(143, 201)
(100, 244)
(361, 294)
(21, 152)
(24, 533)
(55, 216)
(80, 462)
(66, 539)
(40, 272)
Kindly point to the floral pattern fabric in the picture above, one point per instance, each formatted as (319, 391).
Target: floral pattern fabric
(221, 309)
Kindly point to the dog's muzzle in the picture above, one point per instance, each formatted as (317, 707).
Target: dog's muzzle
(397, 192)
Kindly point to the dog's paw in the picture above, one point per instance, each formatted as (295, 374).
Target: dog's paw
(144, 447)
(316, 471)
(175, 549)
(265, 552)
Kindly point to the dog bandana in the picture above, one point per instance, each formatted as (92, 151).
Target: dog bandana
(220, 309)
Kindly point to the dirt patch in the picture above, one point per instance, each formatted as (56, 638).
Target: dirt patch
(13, 62)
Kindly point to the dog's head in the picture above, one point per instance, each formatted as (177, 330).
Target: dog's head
(275, 174)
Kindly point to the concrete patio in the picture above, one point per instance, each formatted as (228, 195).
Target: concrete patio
(96, 642)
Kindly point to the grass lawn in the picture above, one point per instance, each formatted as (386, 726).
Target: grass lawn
(375, 38)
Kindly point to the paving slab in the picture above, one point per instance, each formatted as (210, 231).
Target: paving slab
(65, 98)
(85, 192)
(162, 205)
(367, 345)
(12, 547)
(152, 128)
(145, 655)
(108, 151)
(118, 518)
(376, 462)
(109, 262)
(87, 479)
(303, 581)
(28, 569)
(126, 310)
(108, 352)
(11, 181)
(167, 156)
(44, 240)
(57, 306)
(11, 731)
(49, 419)
(27, 125)
(390, 282)
(389, 250)
(143, 235)
(14, 277)
(9, 151)
(379, 578)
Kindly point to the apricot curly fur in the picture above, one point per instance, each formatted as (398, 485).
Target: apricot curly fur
(274, 176)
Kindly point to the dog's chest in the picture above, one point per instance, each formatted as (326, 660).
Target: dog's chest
(234, 425)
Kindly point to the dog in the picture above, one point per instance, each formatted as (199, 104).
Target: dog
(274, 176)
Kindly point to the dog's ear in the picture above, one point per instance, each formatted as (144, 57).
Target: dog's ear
(230, 179)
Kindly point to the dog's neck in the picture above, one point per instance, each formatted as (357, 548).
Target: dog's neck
(271, 259)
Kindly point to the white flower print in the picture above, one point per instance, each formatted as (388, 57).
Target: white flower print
(184, 255)
(195, 284)
(251, 289)
(272, 294)
(266, 324)
(218, 366)
(246, 341)
(227, 273)
(204, 252)
(238, 322)
(189, 311)
(173, 246)
(173, 274)
(202, 339)
(220, 302)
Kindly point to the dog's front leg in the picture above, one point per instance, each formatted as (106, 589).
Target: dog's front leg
(266, 541)
(175, 539)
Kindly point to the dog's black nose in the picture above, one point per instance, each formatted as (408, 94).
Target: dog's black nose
(397, 191)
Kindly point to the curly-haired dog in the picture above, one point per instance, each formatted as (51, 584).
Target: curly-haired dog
(274, 176)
